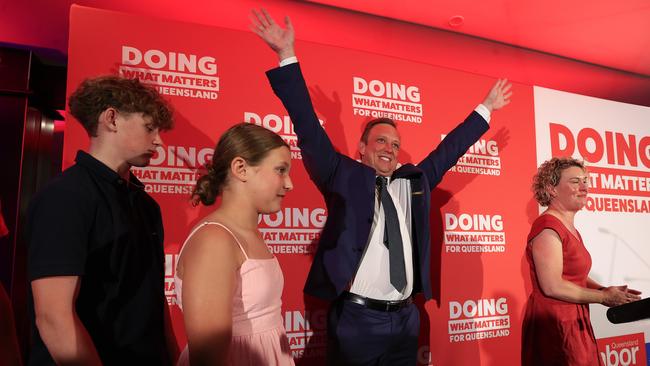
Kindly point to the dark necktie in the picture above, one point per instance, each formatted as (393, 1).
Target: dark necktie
(392, 237)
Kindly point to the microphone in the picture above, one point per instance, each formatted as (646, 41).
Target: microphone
(629, 312)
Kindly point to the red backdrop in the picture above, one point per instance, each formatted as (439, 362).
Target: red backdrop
(480, 213)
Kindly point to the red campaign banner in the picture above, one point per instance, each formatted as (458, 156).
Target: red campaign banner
(214, 78)
(627, 350)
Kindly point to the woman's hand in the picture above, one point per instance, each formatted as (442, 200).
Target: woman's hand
(619, 295)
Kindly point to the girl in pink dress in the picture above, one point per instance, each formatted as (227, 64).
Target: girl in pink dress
(228, 284)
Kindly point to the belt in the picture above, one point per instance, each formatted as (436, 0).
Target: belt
(379, 305)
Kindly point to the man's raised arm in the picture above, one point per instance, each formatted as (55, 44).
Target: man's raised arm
(318, 153)
(456, 143)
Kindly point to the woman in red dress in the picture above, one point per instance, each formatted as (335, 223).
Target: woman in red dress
(557, 329)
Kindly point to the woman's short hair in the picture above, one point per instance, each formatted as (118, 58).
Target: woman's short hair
(246, 140)
(548, 175)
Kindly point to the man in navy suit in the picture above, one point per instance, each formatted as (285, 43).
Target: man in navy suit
(373, 253)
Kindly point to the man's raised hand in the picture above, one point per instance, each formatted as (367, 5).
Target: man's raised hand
(279, 39)
(499, 95)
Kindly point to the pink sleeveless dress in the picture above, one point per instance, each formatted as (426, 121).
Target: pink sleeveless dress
(258, 335)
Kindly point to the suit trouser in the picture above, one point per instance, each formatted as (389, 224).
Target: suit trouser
(357, 335)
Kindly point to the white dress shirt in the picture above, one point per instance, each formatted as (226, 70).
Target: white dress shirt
(373, 276)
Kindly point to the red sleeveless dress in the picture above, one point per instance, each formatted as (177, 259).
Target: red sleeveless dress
(557, 332)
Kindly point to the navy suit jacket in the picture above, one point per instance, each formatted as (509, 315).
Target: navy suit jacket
(348, 187)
